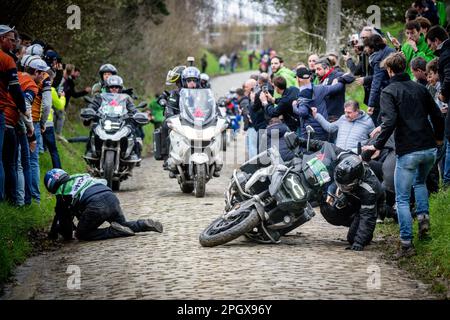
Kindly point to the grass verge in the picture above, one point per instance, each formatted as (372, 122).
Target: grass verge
(432, 262)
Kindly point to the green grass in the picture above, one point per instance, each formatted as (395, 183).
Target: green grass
(16, 223)
(432, 262)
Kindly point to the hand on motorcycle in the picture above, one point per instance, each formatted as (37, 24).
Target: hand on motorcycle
(355, 247)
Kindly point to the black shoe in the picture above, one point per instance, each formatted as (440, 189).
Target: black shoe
(151, 225)
(138, 164)
(120, 230)
(216, 174)
(424, 227)
(405, 251)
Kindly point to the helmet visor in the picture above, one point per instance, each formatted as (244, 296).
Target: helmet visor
(347, 187)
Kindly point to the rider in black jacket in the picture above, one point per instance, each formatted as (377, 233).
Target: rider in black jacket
(356, 198)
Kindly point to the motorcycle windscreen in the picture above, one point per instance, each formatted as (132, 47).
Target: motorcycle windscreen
(113, 104)
(197, 106)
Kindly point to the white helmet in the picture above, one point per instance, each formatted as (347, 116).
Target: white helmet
(114, 81)
(35, 50)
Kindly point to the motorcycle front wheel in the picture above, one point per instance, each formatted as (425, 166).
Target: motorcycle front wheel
(108, 167)
(222, 230)
(200, 180)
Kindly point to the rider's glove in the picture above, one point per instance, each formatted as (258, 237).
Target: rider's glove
(356, 247)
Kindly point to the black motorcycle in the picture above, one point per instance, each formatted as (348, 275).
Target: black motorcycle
(113, 139)
(267, 198)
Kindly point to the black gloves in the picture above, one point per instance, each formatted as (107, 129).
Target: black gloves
(356, 247)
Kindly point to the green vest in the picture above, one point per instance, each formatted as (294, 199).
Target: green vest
(77, 185)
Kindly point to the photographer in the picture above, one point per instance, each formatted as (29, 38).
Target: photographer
(363, 69)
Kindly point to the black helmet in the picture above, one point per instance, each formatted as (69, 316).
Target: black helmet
(107, 68)
(349, 172)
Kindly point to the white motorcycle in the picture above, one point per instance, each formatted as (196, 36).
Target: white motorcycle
(196, 141)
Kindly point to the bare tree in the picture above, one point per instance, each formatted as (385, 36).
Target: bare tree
(333, 25)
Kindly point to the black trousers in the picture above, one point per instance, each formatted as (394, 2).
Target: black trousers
(100, 208)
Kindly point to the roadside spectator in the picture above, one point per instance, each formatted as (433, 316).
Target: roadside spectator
(49, 138)
(204, 63)
(233, 61)
(411, 15)
(11, 95)
(333, 58)
(314, 96)
(25, 132)
(279, 70)
(312, 59)
(334, 102)
(378, 51)
(352, 127)
(251, 58)
(437, 39)
(274, 136)
(427, 9)
(243, 96)
(415, 45)
(418, 67)
(409, 109)
(425, 25)
(223, 61)
(283, 104)
(363, 69)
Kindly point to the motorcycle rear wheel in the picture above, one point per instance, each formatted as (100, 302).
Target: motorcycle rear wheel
(221, 231)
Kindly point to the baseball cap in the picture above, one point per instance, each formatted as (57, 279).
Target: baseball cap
(38, 64)
(5, 29)
(35, 50)
(303, 73)
(26, 59)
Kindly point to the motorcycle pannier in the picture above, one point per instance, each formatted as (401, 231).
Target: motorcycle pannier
(157, 151)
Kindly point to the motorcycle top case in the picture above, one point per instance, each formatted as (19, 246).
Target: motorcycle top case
(157, 152)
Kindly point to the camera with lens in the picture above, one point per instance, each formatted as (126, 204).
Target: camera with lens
(265, 88)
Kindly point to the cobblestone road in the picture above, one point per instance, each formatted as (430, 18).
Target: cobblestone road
(310, 263)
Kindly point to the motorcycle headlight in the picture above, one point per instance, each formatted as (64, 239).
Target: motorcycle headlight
(293, 186)
(107, 125)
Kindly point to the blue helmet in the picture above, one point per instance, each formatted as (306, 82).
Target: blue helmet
(54, 178)
(190, 73)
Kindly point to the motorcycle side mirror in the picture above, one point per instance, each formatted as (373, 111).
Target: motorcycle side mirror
(88, 113)
(141, 118)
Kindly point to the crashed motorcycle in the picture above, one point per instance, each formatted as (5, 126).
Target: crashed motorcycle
(267, 198)
(195, 141)
(113, 140)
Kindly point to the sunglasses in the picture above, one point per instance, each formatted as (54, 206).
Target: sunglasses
(191, 80)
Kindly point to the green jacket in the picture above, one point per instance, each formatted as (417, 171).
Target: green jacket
(77, 185)
(422, 51)
(157, 111)
(442, 13)
(289, 75)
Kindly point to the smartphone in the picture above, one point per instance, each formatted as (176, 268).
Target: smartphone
(389, 36)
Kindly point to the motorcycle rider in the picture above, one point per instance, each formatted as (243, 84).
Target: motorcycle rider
(114, 84)
(356, 198)
(93, 203)
(204, 81)
(104, 72)
(169, 100)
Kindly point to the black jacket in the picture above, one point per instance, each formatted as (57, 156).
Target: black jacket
(69, 90)
(284, 108)
(244, 103)
(407, 107)
(335, 102)
(444, 78)
(363, 69)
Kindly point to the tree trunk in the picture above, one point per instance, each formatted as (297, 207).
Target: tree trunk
(333, 25)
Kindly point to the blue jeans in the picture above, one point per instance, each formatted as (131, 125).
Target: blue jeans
(23, 171)
(2, 171)
(411, 170)
(447, 165)
(10, 164)
(34, 164)
(50, 143)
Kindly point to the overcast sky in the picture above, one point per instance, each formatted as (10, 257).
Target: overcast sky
(247, 11)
